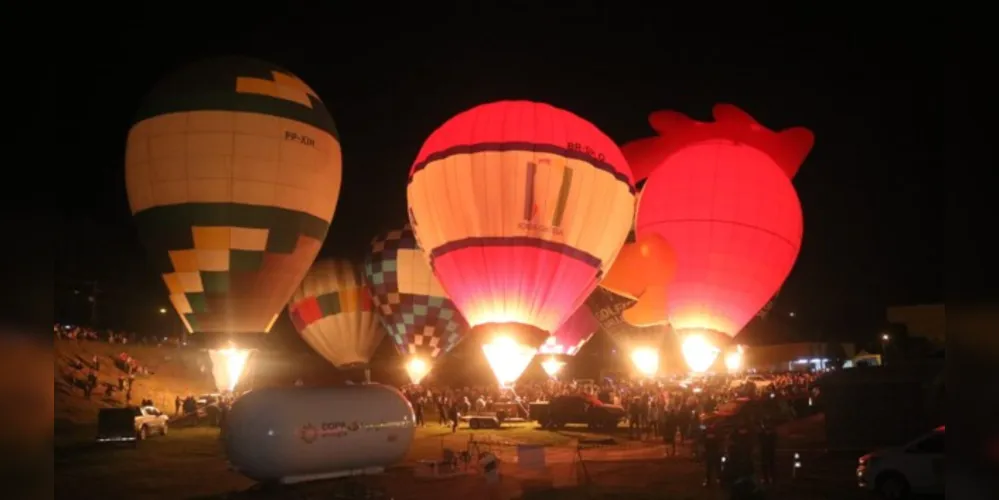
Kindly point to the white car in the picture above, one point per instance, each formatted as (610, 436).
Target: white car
(917, 468)
(761, 382)
(149, 420)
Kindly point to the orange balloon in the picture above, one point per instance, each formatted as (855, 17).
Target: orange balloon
(643, 271)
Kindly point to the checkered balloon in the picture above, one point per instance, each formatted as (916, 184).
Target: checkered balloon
(413, 308)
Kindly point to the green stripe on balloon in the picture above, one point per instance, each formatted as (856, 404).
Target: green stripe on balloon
(168, 227)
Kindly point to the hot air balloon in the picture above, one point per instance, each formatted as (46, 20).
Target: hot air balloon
(332, 311)
(233, 173)
(521, 207)
(568, 339)
(720, 195)
(419, 317)
(641, 344)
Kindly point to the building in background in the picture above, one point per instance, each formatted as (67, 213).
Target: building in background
(928, 321)
(799, 356)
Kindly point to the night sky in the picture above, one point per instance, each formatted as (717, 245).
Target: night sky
(870, 204)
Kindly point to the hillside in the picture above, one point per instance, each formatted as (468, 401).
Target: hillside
(178, 372)
(172, 372)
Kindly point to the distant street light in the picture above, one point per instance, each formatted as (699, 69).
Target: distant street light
(885, 337)
(163, 310)
(791, 314)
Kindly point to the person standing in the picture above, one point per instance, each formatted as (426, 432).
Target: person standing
(669, 432)
(712, 456)
(454, 414)
(683, 422)
(768, 452)
(740, 456)
(442, 410)
(417, 402)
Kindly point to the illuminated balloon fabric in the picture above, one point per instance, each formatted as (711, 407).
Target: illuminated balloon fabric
(521, 207)
(788, 148)
(722, 198)
(571, 336)
(233, 173)
(416, 313)
(608, 308)
(643, 271)
(332, 311)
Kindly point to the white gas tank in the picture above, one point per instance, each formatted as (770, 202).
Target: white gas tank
(301, 434)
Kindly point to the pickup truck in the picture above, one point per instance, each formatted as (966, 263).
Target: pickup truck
(130, 424)
(577, 409)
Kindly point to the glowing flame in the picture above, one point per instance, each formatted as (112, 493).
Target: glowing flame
(552, 366)
(227, 366)
(508, 359)
(417, 368)
(733, 360)
(646, 361)
(698, 353)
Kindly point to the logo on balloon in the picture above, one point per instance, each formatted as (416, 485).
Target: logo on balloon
(532, 222)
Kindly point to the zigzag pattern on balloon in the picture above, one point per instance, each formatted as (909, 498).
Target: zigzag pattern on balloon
(412, 306)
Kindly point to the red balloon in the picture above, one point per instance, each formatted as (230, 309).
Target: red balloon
(721, 195)
(788, 148)
(571, 336)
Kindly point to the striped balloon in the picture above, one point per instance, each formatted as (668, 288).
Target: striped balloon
(332, 311)
(416, 312)
(521, 207)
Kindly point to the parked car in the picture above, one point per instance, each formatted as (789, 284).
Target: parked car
(918, 467)
(130, 424)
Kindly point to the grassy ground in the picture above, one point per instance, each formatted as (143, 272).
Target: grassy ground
(190, 463)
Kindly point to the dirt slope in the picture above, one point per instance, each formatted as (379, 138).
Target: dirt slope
(173, 372)
(178, 372)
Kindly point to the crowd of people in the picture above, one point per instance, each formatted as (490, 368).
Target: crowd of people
(643, 400)
(84, 375)
(674, 410)
(83, 333)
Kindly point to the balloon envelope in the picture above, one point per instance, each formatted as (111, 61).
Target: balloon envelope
(418, 315)
(233, 173)
(571, 336)
(608, 309)
(521, 207)
(332, 311)
(728, 210)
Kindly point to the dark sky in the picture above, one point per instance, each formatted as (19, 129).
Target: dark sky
(865, 86)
